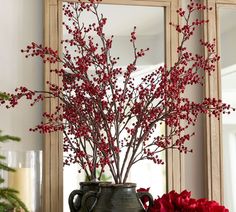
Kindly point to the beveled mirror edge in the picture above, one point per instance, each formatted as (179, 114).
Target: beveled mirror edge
(53, 148)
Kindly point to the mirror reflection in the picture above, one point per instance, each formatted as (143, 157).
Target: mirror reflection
(121, 20)
(228, 79)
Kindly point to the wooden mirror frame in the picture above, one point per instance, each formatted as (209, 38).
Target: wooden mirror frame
(213, 133)
(53, 147)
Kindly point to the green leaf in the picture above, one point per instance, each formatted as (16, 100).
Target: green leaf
(4, 166)
(4, 138)
(4, 96)
(10, 195)
(5, 207)
(1, 180)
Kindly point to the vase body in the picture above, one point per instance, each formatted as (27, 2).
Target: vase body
(116, 198)
(75, 196)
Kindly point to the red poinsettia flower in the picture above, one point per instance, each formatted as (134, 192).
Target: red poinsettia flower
(174, 202)
(162, 205)
(210, 206)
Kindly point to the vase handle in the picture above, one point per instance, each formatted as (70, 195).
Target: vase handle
(86, 197)
(73, 207)
(148, 195)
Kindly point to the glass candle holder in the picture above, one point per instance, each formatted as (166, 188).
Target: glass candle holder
(27, 178)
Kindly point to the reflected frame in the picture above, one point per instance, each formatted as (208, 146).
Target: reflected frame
(213, 127)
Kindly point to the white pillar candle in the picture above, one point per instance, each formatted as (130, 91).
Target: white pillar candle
(21, 181)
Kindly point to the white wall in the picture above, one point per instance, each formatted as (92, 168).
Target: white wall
(193, 163)
(20, 23)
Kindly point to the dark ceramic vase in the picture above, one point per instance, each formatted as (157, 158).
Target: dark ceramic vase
(116, 198)
(75, 196)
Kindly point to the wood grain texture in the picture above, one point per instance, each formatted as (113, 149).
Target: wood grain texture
(214, 183)
(46, 190)
(177, 160)
(213, 132)
(52, 176)
(174, 162)
(224, 2)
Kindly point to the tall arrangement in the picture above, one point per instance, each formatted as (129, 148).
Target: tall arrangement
(109, 123)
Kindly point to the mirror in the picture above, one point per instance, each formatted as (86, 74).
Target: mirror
(227, 42)
(150, 23)
(53, 149)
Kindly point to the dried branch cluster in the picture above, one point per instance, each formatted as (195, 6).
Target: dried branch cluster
(106, 124)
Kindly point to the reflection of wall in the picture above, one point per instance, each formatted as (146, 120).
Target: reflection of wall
(21, 23)
(123, 49)
(229, 138)
(229, 97)
(228, 73)
(228, 46)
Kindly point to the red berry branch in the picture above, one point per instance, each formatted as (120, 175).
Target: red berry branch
(107, 119)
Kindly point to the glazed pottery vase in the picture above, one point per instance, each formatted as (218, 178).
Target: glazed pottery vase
(115, 198)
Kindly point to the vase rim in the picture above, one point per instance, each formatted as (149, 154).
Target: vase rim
(89, 183)
(93, 183)
(118, 185)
